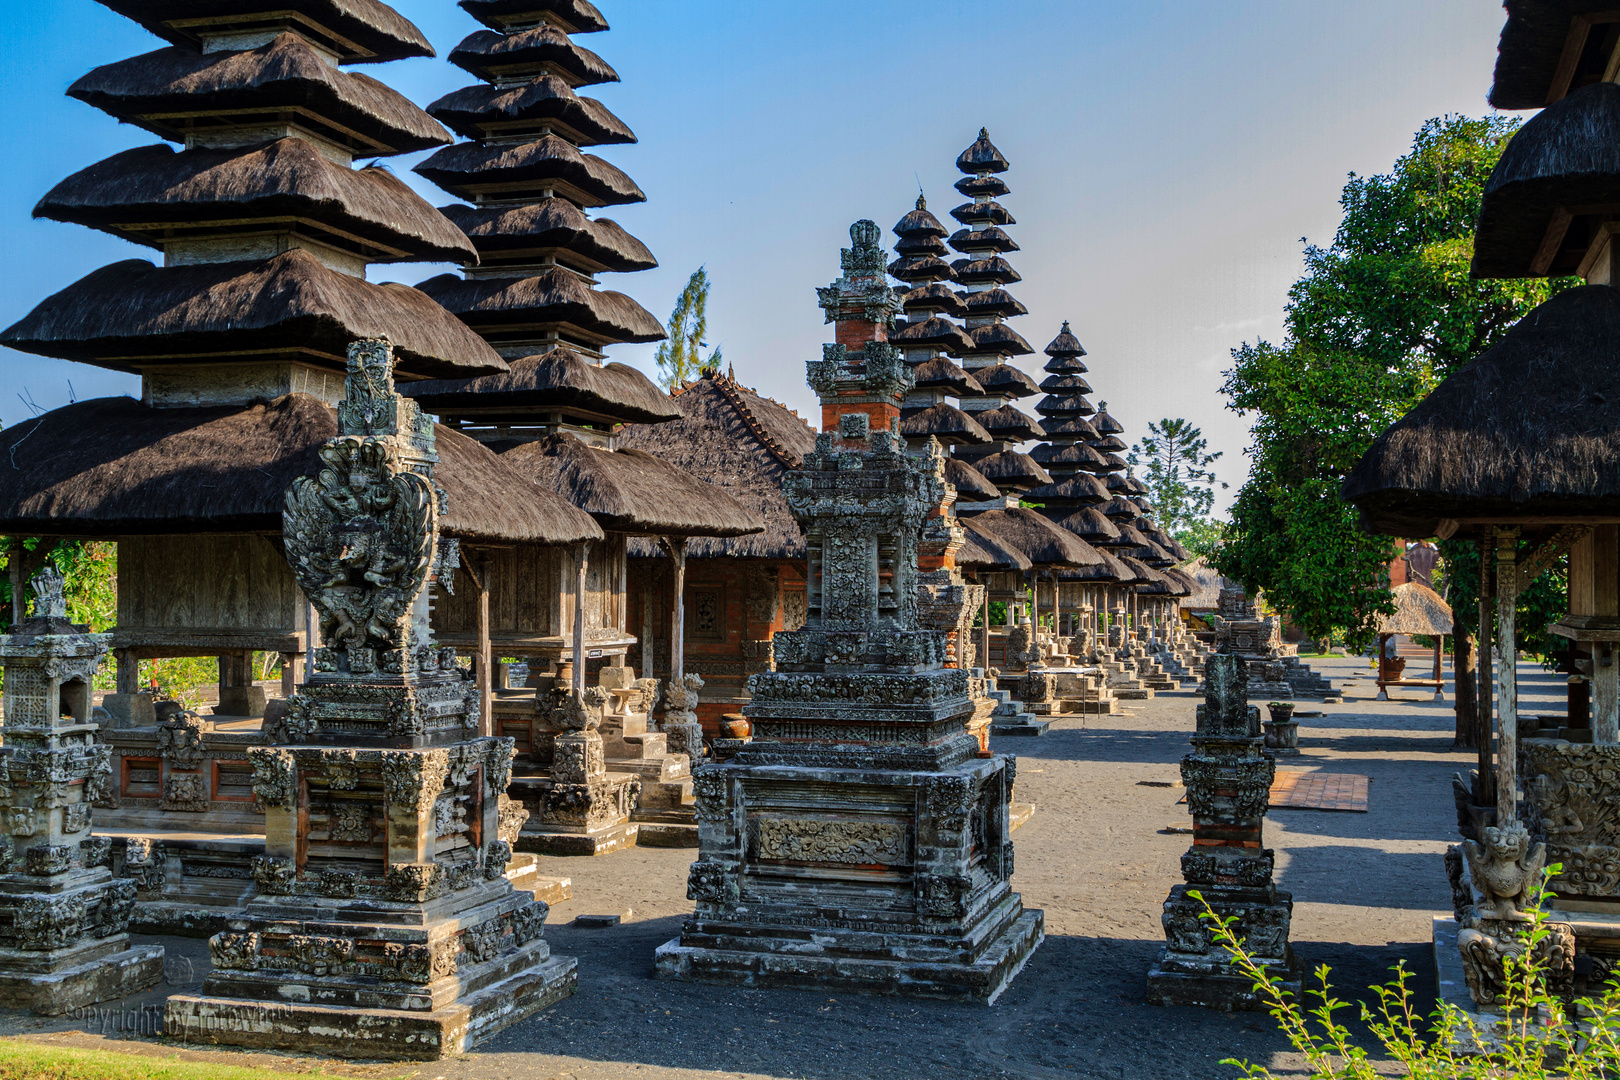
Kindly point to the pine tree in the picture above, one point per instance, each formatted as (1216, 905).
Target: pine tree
(1180, 482)
(679, 359)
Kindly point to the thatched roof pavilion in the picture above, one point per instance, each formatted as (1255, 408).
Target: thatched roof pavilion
(631, 491)
(116, 467)
(985, 552)
(1418, 610)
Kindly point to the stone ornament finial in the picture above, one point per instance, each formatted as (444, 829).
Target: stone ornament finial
(48, 600)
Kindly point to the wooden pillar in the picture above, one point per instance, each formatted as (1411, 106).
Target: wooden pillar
(129, 672)
(582, 555)
(984, 633)
(1507, 676)
(1485, 729)
(676, 546)
(483, 662)
(1605, 602)
(1057, 609)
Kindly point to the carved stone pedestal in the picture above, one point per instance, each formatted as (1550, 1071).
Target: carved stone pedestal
(860, 841)
(1228, 780)
(382, 923)
(580, 808)
(62, 914)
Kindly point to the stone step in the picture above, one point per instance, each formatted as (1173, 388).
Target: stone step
(667, 836)
(668, 769)
(1019, 813)
(659, 796)
(1021, 724)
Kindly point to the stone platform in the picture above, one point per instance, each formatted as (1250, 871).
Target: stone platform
(121, 970)
(523, 989)
(822, 967)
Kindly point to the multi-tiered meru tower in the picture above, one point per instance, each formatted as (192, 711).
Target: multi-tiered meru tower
(533, 285)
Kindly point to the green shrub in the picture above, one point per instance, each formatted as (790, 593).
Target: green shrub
(1539, 1037)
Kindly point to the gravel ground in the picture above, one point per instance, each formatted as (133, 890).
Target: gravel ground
(1094, 856)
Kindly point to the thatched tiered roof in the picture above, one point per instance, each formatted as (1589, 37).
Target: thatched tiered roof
(159, 91)
(132, 313)
(265, 229)
(1043, 543)
(153, 195)
(526, 127)
(358, 31)
(1529, 431)
(985, 552)
(115, 467)
(1552, 188)
(741, 443)
(631, 491)
(1549, 48)
(560, 381)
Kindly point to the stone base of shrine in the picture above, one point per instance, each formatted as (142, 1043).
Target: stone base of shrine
(181, 919)
(393, 1034)
(1191, 979)
(667, 829)
(793, 966)
(1025, 725)
(601, 842)
(103, 978)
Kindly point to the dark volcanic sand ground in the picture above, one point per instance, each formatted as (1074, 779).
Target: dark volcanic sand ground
(1094, 857)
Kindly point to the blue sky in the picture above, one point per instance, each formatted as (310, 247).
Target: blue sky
(1166, 160)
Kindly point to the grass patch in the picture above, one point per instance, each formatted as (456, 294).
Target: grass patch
(23, 1060)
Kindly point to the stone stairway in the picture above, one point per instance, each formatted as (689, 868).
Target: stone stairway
(1009, 717)
(666, 809)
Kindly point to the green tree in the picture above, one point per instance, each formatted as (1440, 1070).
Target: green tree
(1176, 459)
(679, 357)
(1378, 319)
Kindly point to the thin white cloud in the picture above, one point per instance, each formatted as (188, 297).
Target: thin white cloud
(1230, 327)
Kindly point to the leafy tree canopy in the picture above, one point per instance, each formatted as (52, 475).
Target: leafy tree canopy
(1378, 319)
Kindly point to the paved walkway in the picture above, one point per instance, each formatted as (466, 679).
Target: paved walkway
(1094, 857)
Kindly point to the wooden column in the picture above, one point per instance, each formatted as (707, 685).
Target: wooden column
(1057, 609)
(1507, 676)
(582, 556)
(984, 633)
(483, 663)
(1605, 543)
(128, 672)
(676, 547)
(1485, 729)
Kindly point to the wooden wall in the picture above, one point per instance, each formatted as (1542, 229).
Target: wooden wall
(199, 594)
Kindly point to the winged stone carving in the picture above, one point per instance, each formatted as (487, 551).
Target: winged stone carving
(360, 539)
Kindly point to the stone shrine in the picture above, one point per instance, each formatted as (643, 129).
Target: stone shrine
(382, 924)
(63, 916)
(860, 840)
(1228, 779)
(1276, 671)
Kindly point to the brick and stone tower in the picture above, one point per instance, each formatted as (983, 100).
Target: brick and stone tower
(532, 187)
(984, 273)
(62, 914)
(862, 800)
(382, 924)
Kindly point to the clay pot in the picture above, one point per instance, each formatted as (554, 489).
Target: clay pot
(1281, 711)
(734, 726)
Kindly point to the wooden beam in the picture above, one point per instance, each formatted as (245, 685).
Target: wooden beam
(484, 659)
(1544, 554)
(1551, 241)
